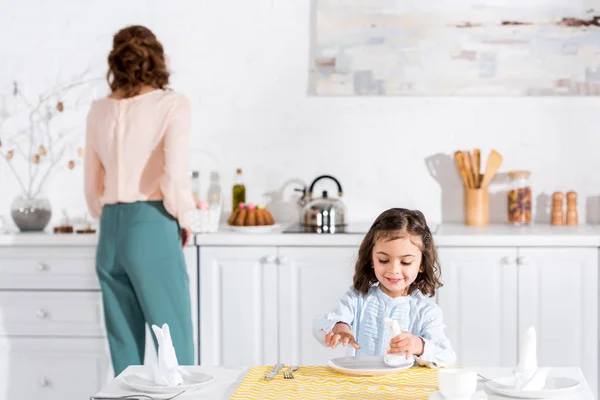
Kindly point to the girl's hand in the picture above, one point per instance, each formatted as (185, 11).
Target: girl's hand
(341, 333)
(408, 343)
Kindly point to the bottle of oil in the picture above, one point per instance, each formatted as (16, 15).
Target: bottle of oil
(239, 190)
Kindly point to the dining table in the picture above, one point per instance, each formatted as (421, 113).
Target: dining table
(310, 382)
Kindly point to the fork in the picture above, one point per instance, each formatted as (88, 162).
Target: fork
(288, 374)
(135, 397)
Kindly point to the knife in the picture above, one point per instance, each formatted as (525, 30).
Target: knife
(274, 372)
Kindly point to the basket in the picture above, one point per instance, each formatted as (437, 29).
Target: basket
(205, 220)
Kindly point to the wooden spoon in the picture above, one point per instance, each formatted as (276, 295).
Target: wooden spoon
(476, 167)
(469, 170)
(460, 165)
(493, 164)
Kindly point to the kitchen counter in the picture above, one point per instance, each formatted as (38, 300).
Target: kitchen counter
(445, 235)
(451, 235)
(18, 239)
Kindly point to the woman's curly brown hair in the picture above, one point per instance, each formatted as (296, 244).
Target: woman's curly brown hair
(137, 59)
(393, 224)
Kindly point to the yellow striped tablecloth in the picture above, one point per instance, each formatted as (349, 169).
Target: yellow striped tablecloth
(325, 383)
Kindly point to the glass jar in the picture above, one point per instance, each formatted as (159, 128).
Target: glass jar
(519, 198)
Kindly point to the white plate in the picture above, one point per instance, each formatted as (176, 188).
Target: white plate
(554, 387)
(143, 382)
(253, 229)
(366, 366)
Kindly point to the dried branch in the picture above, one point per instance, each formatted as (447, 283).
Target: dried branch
(40, 132)
(50, 168)
(11, 166)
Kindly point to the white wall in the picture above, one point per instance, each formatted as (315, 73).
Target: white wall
(244, 64)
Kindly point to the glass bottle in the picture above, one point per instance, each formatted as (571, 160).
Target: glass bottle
(214, 189)
(519, 198)
(196, 187)
(239, 190)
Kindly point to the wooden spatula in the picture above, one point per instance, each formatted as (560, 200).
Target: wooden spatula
(459, 158)
(477, 167)
(493, 164)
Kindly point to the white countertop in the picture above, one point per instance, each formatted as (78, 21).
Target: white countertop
(508, 235)
(47, 239)
(445, 235)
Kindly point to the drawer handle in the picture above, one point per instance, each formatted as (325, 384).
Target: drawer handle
(42, 267)
(41, 313)
(45, 382)
(282, 260)
(268, 260)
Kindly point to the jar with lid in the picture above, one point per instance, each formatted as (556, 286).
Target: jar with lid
(519, 197)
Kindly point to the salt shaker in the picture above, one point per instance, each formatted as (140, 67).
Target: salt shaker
(557, 217)
(572, 218)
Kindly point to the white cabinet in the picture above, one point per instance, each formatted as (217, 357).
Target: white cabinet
(479, 302)
(52, 334)
(257, 303)
(311, 280)
(52, 369)
(52, 343)
(491, 295)
(238, 306)
(558, 294)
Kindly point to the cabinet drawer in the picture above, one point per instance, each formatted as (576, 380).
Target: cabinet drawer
(48, 268)
(52, 369)
(51, 314)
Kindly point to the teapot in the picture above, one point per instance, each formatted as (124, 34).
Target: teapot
(323, 213)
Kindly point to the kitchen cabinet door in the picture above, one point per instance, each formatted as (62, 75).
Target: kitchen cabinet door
(479, 302)
(311, 280)
(558, 294)
(238, 306)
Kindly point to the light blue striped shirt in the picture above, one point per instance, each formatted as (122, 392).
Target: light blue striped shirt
(365, 314)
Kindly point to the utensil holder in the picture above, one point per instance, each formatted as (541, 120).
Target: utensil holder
(477, 207)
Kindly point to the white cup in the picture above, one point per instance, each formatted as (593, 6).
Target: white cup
(457, 383)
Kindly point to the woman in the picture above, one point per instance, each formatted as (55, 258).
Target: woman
(136, 183)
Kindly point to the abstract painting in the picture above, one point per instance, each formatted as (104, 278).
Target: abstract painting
(458, 47)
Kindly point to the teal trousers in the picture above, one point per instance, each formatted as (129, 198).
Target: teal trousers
(143, 277)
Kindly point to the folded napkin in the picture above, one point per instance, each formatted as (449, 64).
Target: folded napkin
(528, 376)
(393, 360)
(166, 372)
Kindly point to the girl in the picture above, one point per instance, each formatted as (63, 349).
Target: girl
(136, 182)
(396, 271)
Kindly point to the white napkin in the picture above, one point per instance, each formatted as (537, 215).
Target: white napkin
(528, 376)
(166, 372)
(393, 360)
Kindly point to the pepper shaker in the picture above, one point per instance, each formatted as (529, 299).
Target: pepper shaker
(557, 217)
(572, 218)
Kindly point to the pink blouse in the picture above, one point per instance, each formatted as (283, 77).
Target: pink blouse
(137, 150)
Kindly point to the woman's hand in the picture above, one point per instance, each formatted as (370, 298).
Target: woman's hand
(186, 235)
(406, 343)
(341, 333)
